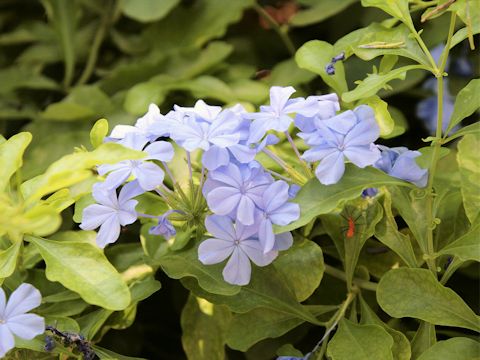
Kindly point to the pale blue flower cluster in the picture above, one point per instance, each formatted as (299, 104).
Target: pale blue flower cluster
(247, 200)
(14, 319)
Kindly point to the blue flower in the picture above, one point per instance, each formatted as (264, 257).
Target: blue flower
(236, 190)
(236, 241)
(148, 174)
(427, 109)
(150, 126)
(348, 135)
(110, 212)
(14, 319)
(275, 209)
(164, 227)
(196, 133)
(276, 116)
(400, 162)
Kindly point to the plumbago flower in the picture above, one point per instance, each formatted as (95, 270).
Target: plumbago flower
(276, 116)
(349, 135)
(236, 190)
(14, 319)
(240, 243)
(400, 162)
(111, 212)
(148, 174)
(275, 209)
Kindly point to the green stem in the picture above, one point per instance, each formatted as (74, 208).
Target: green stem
(454, 265)
(97, 41)
(436, 149)
(339, 274)
(276, 27)
(424, 47)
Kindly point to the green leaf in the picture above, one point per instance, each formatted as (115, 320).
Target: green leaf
(63, 17)
(98, 132)
(396, 8)
(302, 266)
(288, 73)
(416, 293)
(92, 323)
(105, 354)
(11, 153)
(83, 268)
(465, 247)
(382, 116)
(83, 103)
(424, 338)
(8, 259)
(317, 199)
(200, 22)
(360, 342)
(374, 82)
(469, 168)
(469, 129)
(401, 346)
(314, 56)
(319, 12)
(17, 77)
(411, 206)
(144, 288)
(357, 42)
(401, 124)
(453, 349)
(204, 327)
(180, 264)
(466, 103)
(62, 323)
(267, 288)
(147, 10)
(141, 95)
(263, 323)
(387, 232)
(74, 168)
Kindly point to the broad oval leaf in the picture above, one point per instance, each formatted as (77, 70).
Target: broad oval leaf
(360, 342)
(262, 323)
(83, 268)
(314, 56)
(302, 266)
(453, 349)
(8, 260)
(320, 11)
(396, 8)
(317, 199)
(416, 293)
(98, 132)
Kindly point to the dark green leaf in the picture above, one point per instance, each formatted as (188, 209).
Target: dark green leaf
(411, 292)
(453, 349)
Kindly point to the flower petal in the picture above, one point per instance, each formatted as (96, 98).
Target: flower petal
(283, 241)
(279, 97)
(266, 235)
(149, 175)
(254, 251)
(221, 227)
(3, 302)
(285, 214)
(275, 196)
(25, 298)
(214, 251)
(215, 157)
(238, 268)
(331, 169)
(95, 215)
(109, 232)
(26, 326)
(7, 341)
(223, 200)
(245, 210)
(159, 150)
(362, 155)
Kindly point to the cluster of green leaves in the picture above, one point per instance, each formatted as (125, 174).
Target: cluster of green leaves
(88, 60)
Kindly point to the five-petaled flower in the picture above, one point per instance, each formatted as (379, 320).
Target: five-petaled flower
(14, 319)
(111, 212)
(238, 242)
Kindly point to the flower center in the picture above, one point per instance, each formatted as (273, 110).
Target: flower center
(236, 242)
(2, 321)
